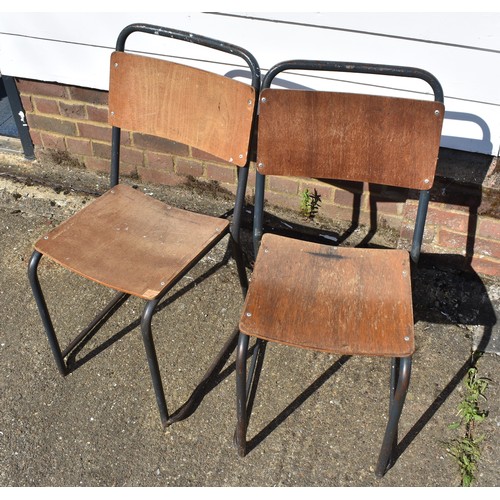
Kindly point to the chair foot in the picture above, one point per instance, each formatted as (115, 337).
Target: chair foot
(401, 376)
(241, 449)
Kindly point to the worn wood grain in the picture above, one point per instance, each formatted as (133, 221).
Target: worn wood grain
(131, 242)
(383, 140)
(333, 299)
(207, 111)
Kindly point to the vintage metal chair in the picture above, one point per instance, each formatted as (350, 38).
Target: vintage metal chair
(128, 241)
(346, 301)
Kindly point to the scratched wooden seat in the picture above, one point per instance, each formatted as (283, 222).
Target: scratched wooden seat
(347, 301)
(127, 240)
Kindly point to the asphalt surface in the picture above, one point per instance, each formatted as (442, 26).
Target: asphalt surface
(318, 420)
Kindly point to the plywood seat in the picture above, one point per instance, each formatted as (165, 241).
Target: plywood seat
(342, 300)
(131, 242)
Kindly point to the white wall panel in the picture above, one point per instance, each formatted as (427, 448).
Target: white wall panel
(461, 49)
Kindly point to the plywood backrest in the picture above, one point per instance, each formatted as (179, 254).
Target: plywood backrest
(382, 140)
(210, 112)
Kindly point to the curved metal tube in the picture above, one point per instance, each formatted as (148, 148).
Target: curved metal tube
(154, 369)
(354, 67)
(44, 312)
(241, 394)
(193, 38)
(396, 407)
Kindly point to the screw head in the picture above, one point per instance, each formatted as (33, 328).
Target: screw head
(263, 100)
(248, 314)
(437, 112)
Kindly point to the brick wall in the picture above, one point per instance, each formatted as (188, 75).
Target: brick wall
(464, 215)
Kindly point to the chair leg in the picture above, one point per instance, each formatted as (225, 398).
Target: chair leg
(400, 380)
(154, 369)
(240, 264)
(44, 312)
(241, 394)
(242, 173)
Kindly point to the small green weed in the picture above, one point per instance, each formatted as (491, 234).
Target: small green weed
(467, 450)
(310, 203)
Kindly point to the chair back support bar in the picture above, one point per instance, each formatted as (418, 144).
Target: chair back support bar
(173, 101)
(357, 137)
(353, 137)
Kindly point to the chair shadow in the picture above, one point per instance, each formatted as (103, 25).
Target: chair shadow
(294, 405)
(448, 291)
(74, 363)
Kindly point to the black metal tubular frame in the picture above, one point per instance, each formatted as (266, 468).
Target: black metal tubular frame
(149, 309)
(400, 367)
(19, 116)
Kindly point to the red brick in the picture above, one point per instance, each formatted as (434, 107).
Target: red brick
(283, 200)
(76, 111)
(159, 161)
(79, 146)
(132, 156)
(51, 141)
(284, 185)
(221, 173)
(327, 191)
(50, 124)
(90, 96)
(388, 208)
(406, 233)
(462, 242)
(348, 198)
(96, 114)
(488, 248)
(96, 132)
(41, 88)
(45, 106)
(127, 169)
(160, 145)
(97, 164)
(155, 176)
(487, 266)
(101, 150)
(202, 155)
(442, 215)
(489, 228)
(36, 137)
(453, 241)
(184, 166)
(27, 103)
